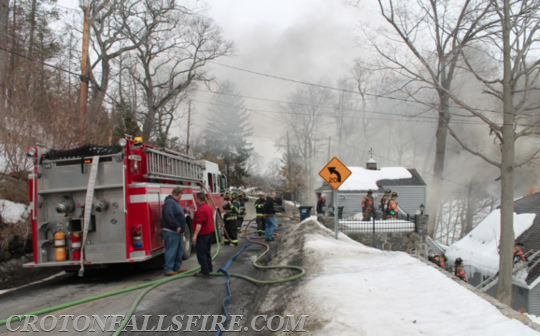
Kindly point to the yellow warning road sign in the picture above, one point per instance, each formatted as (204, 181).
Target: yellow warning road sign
(335, 173)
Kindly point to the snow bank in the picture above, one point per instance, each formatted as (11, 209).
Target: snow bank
(13, 212)
(364, 179)
(533, 318)
(479, 248)
(351, 289)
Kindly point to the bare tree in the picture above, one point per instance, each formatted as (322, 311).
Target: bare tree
(307, 112)
(512, 44)
(427, 39)
(345, 106)
(114, 23)
(171, 61)
(4, 18)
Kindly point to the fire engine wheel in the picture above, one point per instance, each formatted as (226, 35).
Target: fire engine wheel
(186, 237)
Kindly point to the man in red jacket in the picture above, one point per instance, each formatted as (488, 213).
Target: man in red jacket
(203, 221)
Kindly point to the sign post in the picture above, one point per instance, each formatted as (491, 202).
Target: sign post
(336, 214)
(335, 173)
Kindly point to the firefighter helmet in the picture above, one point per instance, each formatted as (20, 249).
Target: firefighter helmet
(458, 261)
(387, 191)
(370, 191)
(394, 194)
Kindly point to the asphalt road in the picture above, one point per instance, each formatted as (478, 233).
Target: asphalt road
(188, 296)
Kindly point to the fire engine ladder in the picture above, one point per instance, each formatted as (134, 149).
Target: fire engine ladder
(532, 260)
(169, 165)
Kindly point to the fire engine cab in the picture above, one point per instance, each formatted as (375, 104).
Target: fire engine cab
(100, 205)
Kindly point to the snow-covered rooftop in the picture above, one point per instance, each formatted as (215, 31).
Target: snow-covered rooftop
(364, 179)
(479, 248)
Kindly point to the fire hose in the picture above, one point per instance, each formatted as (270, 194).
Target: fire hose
(154, 284)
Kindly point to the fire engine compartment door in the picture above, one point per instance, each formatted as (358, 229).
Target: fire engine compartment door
(154, 219)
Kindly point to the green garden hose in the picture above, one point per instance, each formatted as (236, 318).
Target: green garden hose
(153, 284)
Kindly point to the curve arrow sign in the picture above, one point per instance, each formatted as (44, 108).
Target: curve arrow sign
(333, 170)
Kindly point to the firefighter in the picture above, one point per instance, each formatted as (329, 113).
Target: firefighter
(518, 253)
(231, 216)
(367, 206)
(459, 271)
(435, 259)
(384, 200)
(442, 262)
(392, 209)
(261, 222)
(241, 211)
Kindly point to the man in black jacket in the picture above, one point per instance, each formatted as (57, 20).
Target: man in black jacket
(321, 205)
(270, 212)
(261, 222)
(173, 225)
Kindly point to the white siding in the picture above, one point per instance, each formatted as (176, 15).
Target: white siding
(410, 197)
(534, 301)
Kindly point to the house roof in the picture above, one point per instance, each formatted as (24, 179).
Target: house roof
(414, 180)
(479, 248)
(531, 237)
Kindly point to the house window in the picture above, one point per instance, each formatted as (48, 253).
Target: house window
(520, 291)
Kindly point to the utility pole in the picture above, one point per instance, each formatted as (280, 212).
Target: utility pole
(289, 167)
(83, 99)
(188, 127)
(329, 146)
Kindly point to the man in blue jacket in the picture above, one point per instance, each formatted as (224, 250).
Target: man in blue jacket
(173, 225)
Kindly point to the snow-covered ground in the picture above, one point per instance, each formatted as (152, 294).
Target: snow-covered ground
(13, 212)
(351, 289)
(479, 249)
(291, 203)
(533, 318)
(364, 179)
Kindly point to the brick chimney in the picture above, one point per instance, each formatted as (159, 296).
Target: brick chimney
(371, 164)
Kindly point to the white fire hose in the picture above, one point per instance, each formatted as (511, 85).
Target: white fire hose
(88, 207)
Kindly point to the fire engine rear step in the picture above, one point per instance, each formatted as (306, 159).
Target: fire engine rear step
(165, 166)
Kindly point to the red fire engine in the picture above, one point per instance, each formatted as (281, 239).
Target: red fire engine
(99, 205)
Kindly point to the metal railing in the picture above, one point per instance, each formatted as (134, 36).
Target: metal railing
(358, 225)
(161, 165)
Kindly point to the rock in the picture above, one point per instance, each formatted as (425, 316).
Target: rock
(415, 237)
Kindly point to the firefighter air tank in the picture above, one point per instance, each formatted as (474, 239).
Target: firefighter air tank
(60, 245)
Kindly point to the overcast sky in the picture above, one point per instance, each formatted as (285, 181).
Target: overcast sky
(307, 40)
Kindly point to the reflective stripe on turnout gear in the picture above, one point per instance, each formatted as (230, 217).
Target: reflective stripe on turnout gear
(367, 203)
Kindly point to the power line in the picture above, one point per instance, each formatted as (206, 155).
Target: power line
(403, 117)
(345, 90)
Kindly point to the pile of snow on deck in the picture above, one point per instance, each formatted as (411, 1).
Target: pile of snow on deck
(479, 248)
(364, 179)
(351, 289)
